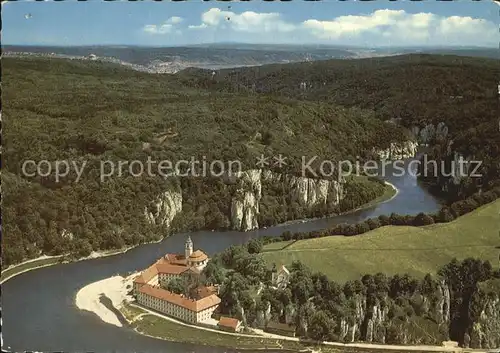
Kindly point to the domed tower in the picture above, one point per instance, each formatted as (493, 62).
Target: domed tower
(188, 248)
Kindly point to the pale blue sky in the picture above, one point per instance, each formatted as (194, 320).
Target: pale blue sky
(167, 23)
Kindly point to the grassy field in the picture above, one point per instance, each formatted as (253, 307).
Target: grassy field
(278, 246)
(397, 249)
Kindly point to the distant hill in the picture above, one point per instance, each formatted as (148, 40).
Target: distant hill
(223, 55)
(216, 56)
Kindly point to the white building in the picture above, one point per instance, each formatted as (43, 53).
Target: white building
(149, 292)
(177, 305)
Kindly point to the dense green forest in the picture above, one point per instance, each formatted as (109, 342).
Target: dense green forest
(397, 309)
(409, 90)
(92, 112)
(75, 111)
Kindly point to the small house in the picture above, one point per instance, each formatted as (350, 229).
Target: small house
(229, 324)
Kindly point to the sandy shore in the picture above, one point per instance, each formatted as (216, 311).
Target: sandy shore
(115, 288)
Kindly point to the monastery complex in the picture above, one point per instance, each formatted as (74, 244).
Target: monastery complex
(149, 287)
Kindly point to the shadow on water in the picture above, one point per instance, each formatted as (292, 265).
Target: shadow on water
(104, 300)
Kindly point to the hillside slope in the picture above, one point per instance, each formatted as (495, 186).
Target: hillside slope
(449, 102)
(91, 112)
(397, 249)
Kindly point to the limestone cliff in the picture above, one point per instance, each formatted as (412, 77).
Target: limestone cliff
(163, 210)
(245, 202)
(453, 169)
(443, 302)
(457, 165)
(307, 192)
(430, 132)
(381, 320)
(485, 315)
(397, 151)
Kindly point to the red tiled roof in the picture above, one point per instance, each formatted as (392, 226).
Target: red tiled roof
(171, 269)
(198, 255)
(172, 264)
(190, 304)
(176, 259)
(229, 322)
(147, 275)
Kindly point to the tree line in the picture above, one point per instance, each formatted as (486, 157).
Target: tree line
(444, 215)
(321, 309)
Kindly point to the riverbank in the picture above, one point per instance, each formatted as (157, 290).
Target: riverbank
(44, 261)
(116, 288)
(153, 324)
(390, 192)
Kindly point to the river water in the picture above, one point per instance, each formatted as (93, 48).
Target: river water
(39, 311)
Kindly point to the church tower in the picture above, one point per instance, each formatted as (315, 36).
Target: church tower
(189, 247)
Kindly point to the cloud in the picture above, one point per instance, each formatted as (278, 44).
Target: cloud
(203, 25)
(400, 27)
(380, 27)
(353, 25)
(248, 21)
(174, 20)
(161, 29)
(167, 27)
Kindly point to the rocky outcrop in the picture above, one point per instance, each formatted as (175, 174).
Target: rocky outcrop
(397, 151)
(163, 210)
(373, 320)
(442, 307)
(244, 211)
(485, 315)
(454, 171)
(66, 234)
(307, 192)
(430, 132)
(375, 330)
(245, 202)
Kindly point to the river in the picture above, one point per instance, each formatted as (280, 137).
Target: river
(39, 311)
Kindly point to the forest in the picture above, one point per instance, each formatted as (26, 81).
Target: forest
(414, 90)
(60, 110)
